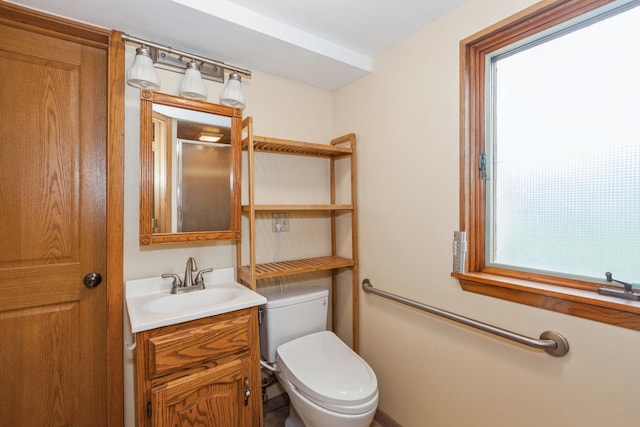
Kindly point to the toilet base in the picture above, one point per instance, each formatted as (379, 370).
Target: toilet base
(317, 416)
(293, 420)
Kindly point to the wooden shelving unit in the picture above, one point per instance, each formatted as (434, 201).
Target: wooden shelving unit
(251, 272)
(297, 266)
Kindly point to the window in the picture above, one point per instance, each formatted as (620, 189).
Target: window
(550, 172)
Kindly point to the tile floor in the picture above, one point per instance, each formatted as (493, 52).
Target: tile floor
(276, 417)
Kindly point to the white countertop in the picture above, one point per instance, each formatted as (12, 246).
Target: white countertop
(141, 294)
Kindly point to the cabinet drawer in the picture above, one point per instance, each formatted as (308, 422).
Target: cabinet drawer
(173, 349)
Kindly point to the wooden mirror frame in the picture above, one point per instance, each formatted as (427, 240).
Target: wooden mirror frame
(147, 237)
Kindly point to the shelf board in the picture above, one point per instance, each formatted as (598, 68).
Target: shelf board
(296, 266)
(284, 146)
(308, 208)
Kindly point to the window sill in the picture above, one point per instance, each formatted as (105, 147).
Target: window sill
(575, 302)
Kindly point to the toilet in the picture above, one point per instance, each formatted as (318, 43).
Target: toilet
(328, 383)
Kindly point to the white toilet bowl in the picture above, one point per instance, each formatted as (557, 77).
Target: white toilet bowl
(328, 383)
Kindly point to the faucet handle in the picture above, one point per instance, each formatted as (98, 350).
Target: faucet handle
(176, 280)
(199, 281)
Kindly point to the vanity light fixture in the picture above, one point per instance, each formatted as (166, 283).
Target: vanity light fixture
(179, 64)
(142, 74)
(192, 85)
(194, 66)
(232, 94)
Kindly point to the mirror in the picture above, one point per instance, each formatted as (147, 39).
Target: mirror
(190, 153)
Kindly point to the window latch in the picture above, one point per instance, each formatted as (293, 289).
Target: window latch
(626, 293)
(482, 164)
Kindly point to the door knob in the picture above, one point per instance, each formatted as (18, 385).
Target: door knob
(92, 280)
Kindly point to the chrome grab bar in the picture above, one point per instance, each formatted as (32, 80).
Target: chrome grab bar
(550, 341)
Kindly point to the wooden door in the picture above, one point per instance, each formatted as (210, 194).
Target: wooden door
(53, 130)
(211, 398)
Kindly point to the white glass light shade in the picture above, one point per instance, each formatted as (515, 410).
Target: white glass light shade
(232, 94)
(192, 85)
(142, 74)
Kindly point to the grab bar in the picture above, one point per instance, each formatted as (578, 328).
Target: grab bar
(550, 341)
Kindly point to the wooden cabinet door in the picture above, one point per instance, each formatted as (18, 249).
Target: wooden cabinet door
(53, 130)
(213, 397)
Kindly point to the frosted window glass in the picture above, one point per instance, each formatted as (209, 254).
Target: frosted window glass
(564, 157)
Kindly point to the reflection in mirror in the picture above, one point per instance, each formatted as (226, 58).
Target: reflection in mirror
(190, 182)
(203, 168)
(200, 156)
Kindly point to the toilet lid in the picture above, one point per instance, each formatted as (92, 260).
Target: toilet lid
(327, 371)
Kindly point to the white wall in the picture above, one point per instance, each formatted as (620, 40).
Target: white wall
(432, 372)
(280, 108)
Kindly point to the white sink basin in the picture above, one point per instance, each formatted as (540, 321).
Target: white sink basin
(150, 303)
(194, 300)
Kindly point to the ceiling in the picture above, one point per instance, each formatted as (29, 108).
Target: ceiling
(323, 43)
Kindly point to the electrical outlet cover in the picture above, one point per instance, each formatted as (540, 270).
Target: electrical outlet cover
(282, 219)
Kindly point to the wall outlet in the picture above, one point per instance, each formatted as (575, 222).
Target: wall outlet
(282, 219)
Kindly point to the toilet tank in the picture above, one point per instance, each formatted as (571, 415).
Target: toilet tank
(290, 313)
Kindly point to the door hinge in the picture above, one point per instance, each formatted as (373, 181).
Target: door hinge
(482, 165)
(148, 409)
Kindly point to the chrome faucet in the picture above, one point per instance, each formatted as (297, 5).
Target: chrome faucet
(188, 283)
(188, 271)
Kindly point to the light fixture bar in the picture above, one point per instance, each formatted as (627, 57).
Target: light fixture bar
(216, 64)
(179, 63)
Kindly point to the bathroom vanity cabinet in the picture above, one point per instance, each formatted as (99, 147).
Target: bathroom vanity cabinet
(203, 372)
(336, 153)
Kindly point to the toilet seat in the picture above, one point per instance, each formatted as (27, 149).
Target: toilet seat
(327, 372)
